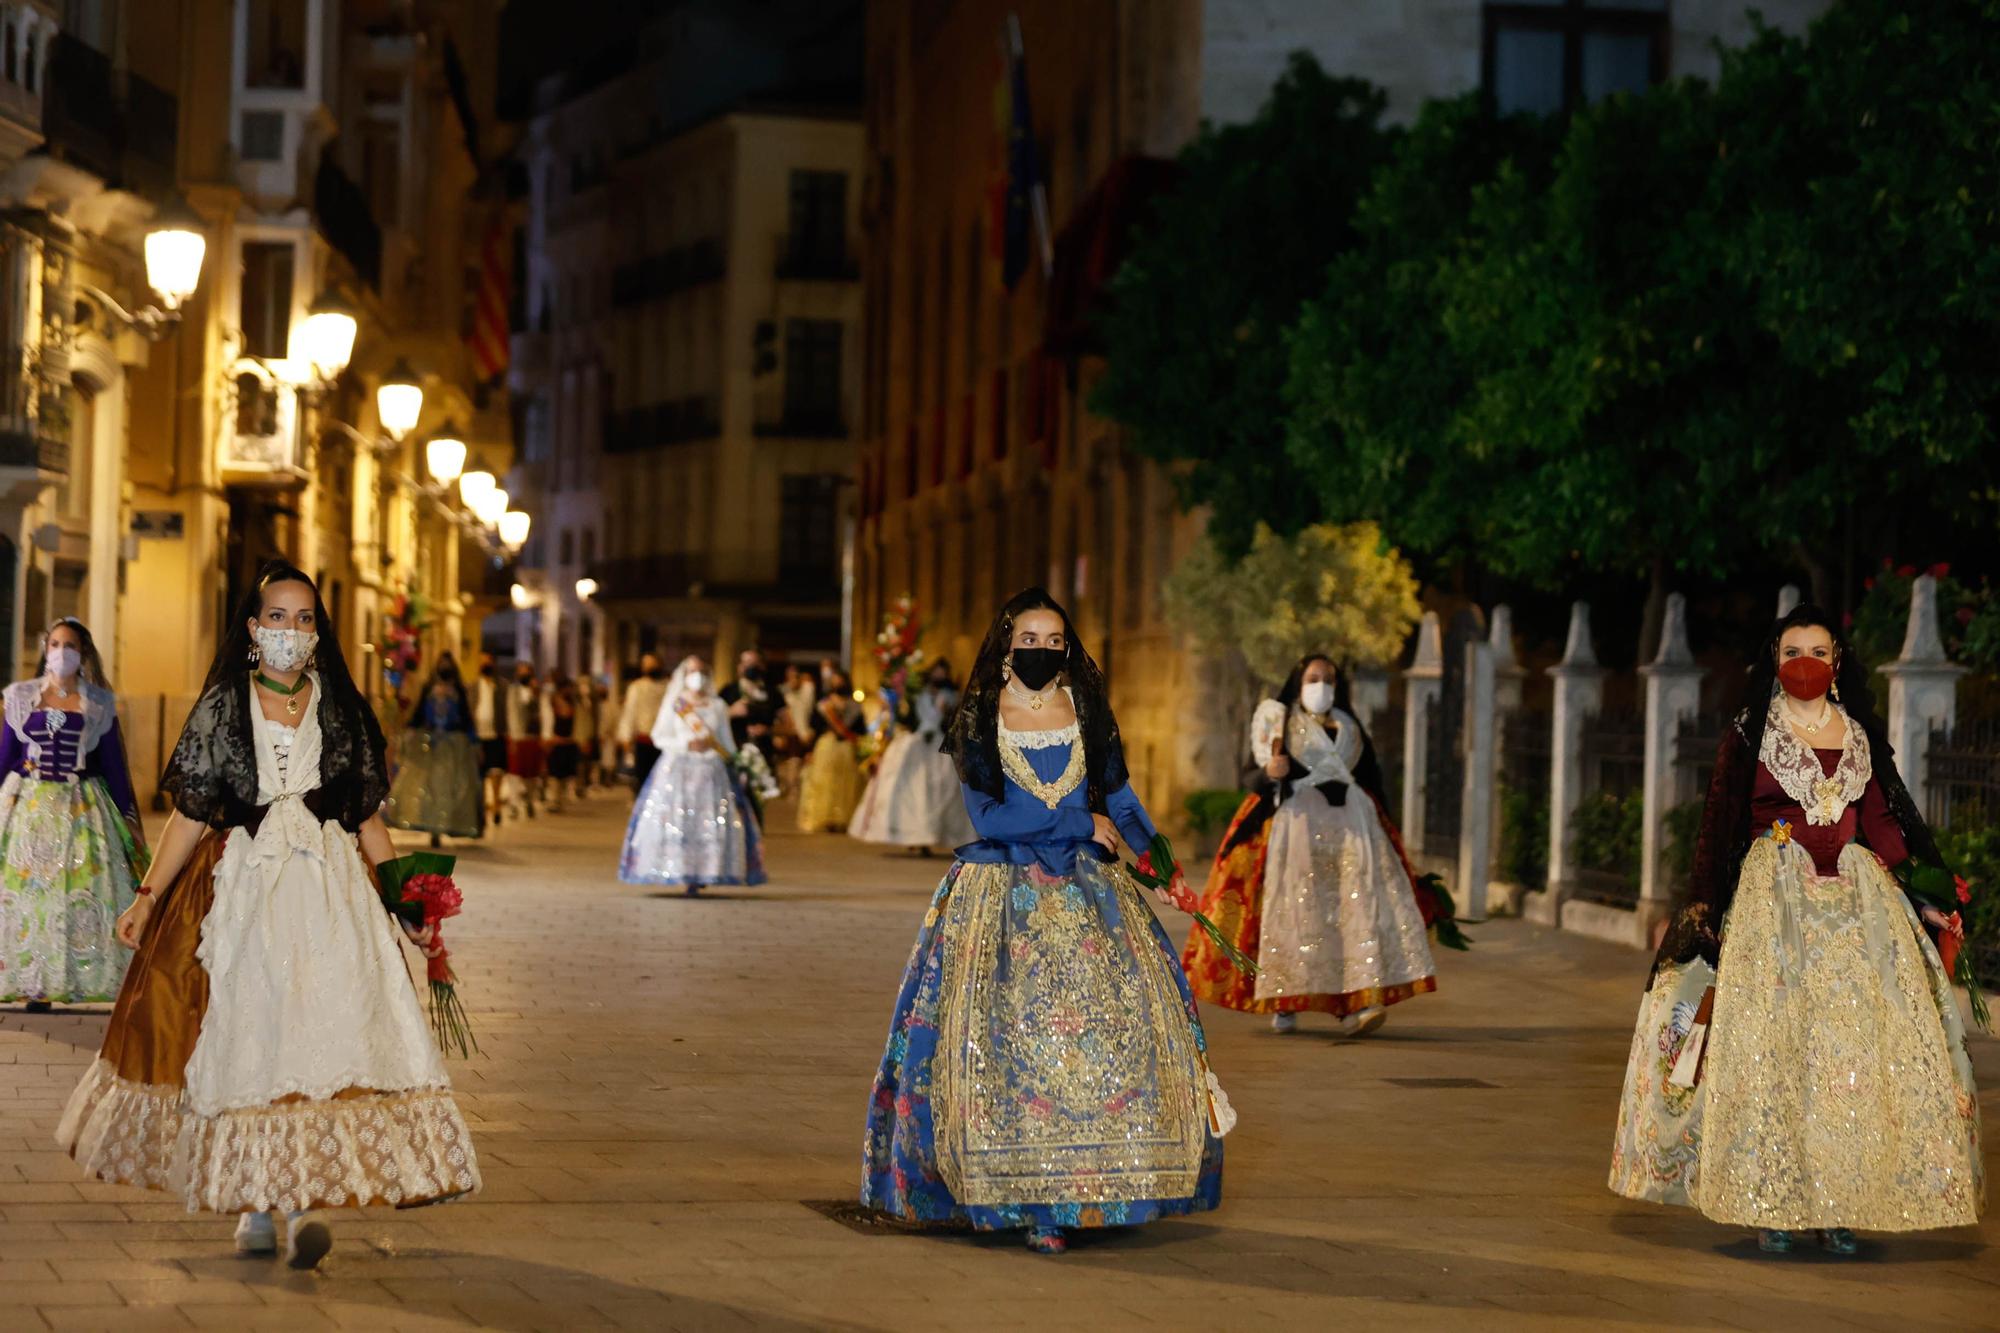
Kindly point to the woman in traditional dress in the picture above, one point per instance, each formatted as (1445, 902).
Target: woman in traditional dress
(527, 751)
(1045, 1067)
(437, 787)
(565, 755)
(692, 825)
(832, 780)
(1799, 1064)
(70, 840)
(1311, 880)
(914, 799)
(268, 1055)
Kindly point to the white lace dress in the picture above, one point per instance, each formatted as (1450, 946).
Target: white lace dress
(315, 1078)
(1339, 915)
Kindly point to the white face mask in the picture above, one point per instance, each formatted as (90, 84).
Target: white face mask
(695, 681)
(64, 663)
(285, 649)
(1316, 695)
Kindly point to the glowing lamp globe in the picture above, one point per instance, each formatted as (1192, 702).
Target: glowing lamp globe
(514, 526)
(474, 486)
(399, 400)
(521, 597)
(324, 339)
(490, 507)
(175, 247)
(444, 457)
(586, 588)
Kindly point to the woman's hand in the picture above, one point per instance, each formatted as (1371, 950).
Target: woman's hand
(1180, 894)
(421, 936)
(1104, 833)
(1280, 765)
(132, 921)
(1951, 925)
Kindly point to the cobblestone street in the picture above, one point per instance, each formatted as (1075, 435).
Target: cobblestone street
(668, 1087)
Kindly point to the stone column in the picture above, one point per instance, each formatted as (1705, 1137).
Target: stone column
(1788, 597)
(1509, 677)
(1475, 828)
(1578, 688)
(1673, 692)
(1368, 691)
(1923, 691)
(1423, 681)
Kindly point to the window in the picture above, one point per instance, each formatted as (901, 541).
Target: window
(809, 547)
(812, 373)
(275, 49)
(266, 310)
(568, 547)
(11, 56)
(31, 59)
(1544, 57)
(263, 136)
(818, 241)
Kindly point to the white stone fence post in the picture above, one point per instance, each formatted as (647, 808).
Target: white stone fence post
(1673, 694)
(1480, 751)
(1578, 691)
(1923, 691)
(1423, 680)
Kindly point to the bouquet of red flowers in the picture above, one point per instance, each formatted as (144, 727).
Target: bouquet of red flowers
(896, 653)
(1157, 869)
(418, 890)
(1934, 886)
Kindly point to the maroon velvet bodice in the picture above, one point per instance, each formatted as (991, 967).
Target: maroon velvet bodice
(1769, 803)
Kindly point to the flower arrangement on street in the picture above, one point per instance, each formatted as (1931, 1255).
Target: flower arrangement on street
(418, 890)
(409, 614)
(896, 650)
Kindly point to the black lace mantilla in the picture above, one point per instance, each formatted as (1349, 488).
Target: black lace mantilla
(212, 776)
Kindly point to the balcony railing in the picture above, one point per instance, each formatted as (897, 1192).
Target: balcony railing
(677, 421)
(676, 270)
(118, 127)
(816, 259)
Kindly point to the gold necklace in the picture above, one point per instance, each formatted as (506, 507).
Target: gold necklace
(1811, 728)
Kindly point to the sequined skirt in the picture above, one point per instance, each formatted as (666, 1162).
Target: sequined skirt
(1836, 1090)
(692, 825)
(66, 872)
(437, 787)
(1045, 1065)
(830, 787)
(914, 799)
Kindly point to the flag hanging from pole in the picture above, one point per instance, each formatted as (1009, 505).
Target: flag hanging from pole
(488, 339)
(1022, 225)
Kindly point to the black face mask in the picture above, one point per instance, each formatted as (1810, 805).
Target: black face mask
(449, 675)
(1036, 667)
(486, 671)
(654, 673)
(755, 673)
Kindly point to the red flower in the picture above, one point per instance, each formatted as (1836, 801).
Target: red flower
(1941, 569)
(1964, 889)
(1868, 585)
(1847, 620)
(1965, 615)
(438, 894)
(1906, 571)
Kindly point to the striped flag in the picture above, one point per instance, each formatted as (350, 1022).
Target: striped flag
(488, 339)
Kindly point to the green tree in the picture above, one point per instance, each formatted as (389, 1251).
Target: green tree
(1333, 589)
(1195, 329)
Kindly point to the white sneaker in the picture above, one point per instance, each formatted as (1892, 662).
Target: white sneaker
(256, 1233)
(1363, 1022)
(1283, 1023)
(306, 1241)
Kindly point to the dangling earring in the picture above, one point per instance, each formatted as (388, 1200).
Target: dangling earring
(1834, 689)
(1007, 667)
(256, 653)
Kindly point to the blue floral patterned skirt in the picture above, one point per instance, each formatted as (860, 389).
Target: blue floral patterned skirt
(1045, 1064)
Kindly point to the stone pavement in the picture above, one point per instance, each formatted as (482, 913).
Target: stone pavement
(667, 1084)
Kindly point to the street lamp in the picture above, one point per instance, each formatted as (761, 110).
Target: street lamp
(514, 526)
(489, 506)
(444, 456)
(399, 400)
(473, 486)
(521, 597)
(325, 337)
(586, 588)
(175, 247)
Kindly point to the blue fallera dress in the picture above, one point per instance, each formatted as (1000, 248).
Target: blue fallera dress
(1045, 1065)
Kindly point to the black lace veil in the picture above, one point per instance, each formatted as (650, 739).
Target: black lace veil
(212, 774)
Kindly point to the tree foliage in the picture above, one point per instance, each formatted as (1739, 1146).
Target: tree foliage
(1333, 589)
(1195, 329)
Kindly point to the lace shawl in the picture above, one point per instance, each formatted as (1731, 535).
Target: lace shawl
(100, 711)
(212, 776)
(1823, 796)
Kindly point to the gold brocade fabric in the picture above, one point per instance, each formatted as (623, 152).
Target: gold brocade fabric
(1838, 1090)
(1067, 1068)
(831, 787)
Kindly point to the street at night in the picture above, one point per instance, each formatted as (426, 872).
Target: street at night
(669, 1097)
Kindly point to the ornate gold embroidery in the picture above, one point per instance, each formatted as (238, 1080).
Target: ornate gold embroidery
(1015, 764)
(1066, 1069)
(1836, 1085)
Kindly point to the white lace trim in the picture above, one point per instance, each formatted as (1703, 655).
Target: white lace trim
(1824, 797)
(407, 1147)
(100, 710)
(1040, 740)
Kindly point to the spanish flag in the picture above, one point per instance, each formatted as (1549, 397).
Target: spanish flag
(488, 338)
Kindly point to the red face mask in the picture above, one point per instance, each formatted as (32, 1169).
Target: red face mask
(1805, 678)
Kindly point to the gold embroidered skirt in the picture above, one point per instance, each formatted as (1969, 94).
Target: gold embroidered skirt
(1837, 1091)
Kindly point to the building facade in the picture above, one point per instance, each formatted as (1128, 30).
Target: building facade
(981, 469)
(152, 455)
(687, 370)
